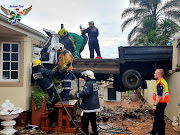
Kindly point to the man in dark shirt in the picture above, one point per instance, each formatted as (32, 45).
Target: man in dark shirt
(93, 33)
(44, 77)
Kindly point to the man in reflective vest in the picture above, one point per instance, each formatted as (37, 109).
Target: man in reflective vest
(65, 64)
(160, 97)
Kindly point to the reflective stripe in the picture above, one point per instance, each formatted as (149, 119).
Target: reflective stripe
(66, 88)
(66, 80)
(49, 86)
(167, 94)
(73, 43)
(89, 111)
(163, 95)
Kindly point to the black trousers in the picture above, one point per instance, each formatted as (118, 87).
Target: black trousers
(159, 123)
(85, 123)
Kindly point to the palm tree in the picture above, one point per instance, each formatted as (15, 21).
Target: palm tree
(149, 15)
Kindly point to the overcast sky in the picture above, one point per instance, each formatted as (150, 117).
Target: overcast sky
(51, 14)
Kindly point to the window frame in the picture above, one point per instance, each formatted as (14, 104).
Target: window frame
(19, 61)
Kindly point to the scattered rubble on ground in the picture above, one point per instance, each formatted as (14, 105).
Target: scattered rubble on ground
(135, 117)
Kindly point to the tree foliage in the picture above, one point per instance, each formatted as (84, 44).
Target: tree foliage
(155, 22)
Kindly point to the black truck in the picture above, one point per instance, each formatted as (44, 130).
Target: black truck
(135, 65)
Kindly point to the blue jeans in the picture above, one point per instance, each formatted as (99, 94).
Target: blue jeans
(94, 45)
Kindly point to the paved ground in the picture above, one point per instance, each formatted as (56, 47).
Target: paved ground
(139, 126)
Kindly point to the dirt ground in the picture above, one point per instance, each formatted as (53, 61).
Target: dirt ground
(121, 115)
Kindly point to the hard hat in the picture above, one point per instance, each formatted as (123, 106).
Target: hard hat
(88, 73)
(83, 28)
(59, 46)
(63, 32)
(36, 63)
(91, 23)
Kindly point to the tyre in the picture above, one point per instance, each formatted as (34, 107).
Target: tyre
(131, 79)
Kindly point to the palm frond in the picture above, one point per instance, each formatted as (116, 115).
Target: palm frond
(129, 21)
(134, 2)
(134, 31)
(170, 5)
(141, 12)
(127, 12)
(172, 15)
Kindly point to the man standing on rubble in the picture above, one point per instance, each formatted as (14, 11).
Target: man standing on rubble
(93, 33)
(90, 103)
(65, 66)
(160, 97)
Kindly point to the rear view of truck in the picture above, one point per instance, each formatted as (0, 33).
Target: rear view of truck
(138, 64)
(135, 65)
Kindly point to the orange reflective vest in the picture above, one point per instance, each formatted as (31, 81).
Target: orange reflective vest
(165, 95)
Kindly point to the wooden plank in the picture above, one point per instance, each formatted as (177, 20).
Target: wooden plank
(60, 120)
(67, 118)
(68, 104)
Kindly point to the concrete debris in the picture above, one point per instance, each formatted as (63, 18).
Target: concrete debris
(121, 113)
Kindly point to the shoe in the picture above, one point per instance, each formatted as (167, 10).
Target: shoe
(98, 57)
(150, 132)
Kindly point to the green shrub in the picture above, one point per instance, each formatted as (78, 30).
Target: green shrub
(38, 98)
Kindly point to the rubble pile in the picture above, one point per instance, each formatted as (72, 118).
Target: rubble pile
(106, 114)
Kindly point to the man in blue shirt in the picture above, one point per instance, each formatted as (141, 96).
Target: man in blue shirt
(90, 103)
(93, 33)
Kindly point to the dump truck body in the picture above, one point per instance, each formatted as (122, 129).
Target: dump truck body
(135, 65)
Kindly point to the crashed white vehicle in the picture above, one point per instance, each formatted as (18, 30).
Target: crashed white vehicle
(47, 53)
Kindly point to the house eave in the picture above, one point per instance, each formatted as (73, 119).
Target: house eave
(24, 29)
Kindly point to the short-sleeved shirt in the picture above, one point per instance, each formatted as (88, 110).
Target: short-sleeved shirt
(160, 90)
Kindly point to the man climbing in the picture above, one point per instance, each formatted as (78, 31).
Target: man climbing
(71, 41)
(67, 40)
(90, 103)
(93, 33)
(79, 42)
(44, 77)
(65, 65)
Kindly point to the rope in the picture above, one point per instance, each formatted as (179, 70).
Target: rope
(113, 130)
(77, 128)
(102, 130)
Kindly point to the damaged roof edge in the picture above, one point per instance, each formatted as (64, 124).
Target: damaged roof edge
(24, 27)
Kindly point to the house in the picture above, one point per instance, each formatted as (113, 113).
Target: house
(173, 79)
(16, 44)
(110, 94)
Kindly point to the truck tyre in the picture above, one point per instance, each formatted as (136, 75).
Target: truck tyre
(131, 79)
(118, 85)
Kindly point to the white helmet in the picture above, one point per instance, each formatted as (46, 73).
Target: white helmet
(59, 46)
(88, 73)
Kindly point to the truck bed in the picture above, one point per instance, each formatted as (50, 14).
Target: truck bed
(145, 53)
(98, 66)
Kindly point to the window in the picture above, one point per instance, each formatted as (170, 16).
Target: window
(10, 61)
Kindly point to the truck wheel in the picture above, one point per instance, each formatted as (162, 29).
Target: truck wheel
(131, 79)
(117, 85)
